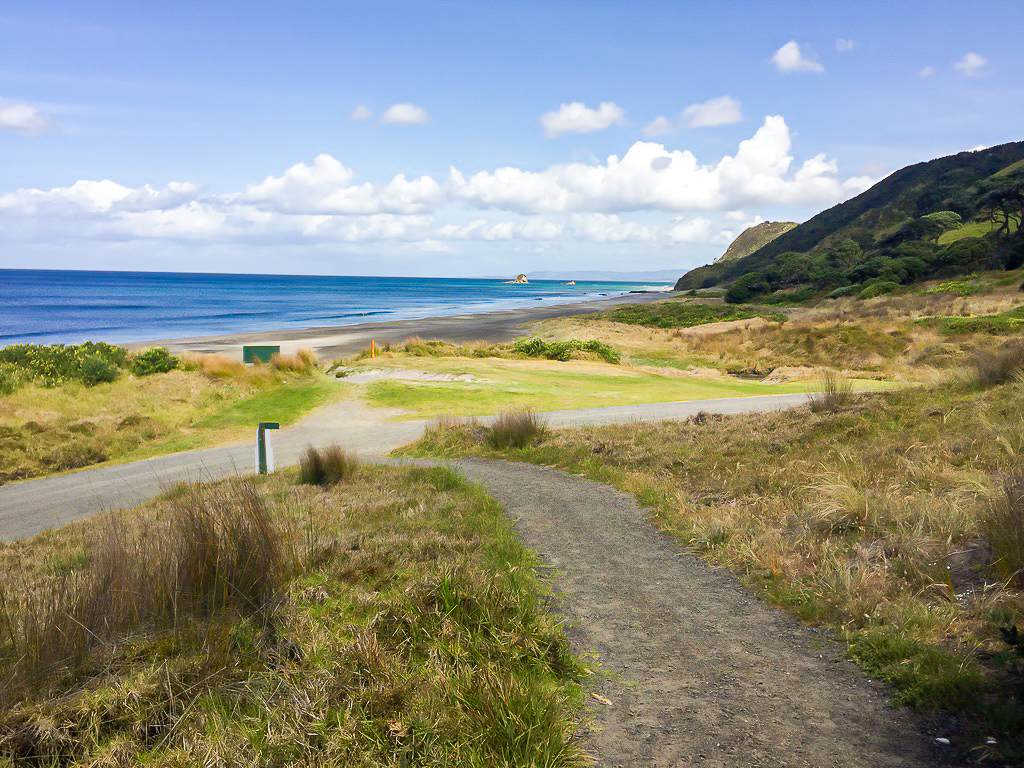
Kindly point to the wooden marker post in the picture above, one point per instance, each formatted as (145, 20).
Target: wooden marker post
(261, 444)
(373, 349)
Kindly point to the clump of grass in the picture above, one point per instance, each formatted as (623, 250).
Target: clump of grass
(214, 366)
(1000, 365)
(303, 361)
(211, 551)
(516, 429)
(836, 393)
(685, 314)
(327, 466)
(1004, 525)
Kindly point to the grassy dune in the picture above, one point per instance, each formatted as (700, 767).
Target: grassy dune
(392, 619)
(52, 429)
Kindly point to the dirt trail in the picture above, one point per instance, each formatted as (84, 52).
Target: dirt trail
(701, 672)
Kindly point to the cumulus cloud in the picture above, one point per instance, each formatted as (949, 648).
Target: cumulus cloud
(651, 194)
(405, 114)
(651, 177)
(721, 111)
(577, 117)
(327, 187)
(789, 58)
(361, 113)
(971, 64)
(23, 119)
(926, 72)
(844, 45)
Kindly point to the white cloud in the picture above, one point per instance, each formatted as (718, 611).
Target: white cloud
(326, 188)
(659, 126)
(844, 45)
(23, 119)
(579, 118)
(361, 113)
(609, 228)
(926, 72)
(978, 148)
(651, 177)
(971, 64)
(721, 111)
(651, 194)
(789, 58)
(405, 114)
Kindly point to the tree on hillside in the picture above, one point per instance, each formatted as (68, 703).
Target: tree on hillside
(1003, 205)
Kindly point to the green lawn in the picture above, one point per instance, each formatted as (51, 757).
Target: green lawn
(553, 386)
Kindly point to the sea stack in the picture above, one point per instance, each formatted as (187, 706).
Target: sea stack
(521, 279)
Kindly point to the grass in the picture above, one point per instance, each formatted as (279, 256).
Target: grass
(547, 385)
(872, 519)
(326, 466)
(54, 429)
(1009, 322)
(405, 626)
(680, 313)
(516, 429)
(836, 393)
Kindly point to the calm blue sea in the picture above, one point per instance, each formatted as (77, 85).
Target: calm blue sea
(69, 307)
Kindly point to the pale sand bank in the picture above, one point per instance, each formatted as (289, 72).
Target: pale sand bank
(344, 341)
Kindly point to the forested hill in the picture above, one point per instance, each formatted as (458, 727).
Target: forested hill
(948, 216)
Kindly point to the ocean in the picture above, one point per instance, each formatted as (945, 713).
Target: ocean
(69, 307)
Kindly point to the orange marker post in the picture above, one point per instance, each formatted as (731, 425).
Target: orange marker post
(373, 349)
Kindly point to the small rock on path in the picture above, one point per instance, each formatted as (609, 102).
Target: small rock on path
(701, 672)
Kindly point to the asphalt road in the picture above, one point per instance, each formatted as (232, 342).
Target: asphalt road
(33, 506)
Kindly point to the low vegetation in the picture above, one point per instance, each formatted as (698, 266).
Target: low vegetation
(394, 620)
(516, 429)
(676, 313)
(326, 466)
(61, 414)
(563, 350)
(893, 518)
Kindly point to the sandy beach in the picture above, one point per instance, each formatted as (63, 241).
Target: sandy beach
(344, 341)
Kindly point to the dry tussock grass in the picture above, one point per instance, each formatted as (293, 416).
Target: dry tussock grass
(410, 631)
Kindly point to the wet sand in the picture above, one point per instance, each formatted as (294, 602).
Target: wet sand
(344, 341)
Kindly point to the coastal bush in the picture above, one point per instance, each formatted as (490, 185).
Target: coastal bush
(155, 360)
(59, 363)
(879, 288)
(516, 429)
(1002, 324)
(326, 466)
(680, 314)
(96, 370)
(566, 349)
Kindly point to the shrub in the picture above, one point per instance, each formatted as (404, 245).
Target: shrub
(998, 366)
(97, 370)
(565, 350)
(10, 378)
(155, 360)
(836, 393)
(881, 288)
(1005, 527)
(326, 466)
(516, 429)
(846, 290)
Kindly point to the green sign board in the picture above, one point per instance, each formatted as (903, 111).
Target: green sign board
(251, 355)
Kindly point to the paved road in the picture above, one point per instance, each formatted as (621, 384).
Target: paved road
(33, 506)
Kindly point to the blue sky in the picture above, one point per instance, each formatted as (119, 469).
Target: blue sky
(470, 138)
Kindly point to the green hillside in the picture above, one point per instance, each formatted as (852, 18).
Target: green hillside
(755, 237)
(946, 217)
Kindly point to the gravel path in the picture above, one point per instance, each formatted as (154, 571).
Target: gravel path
(701, 672)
